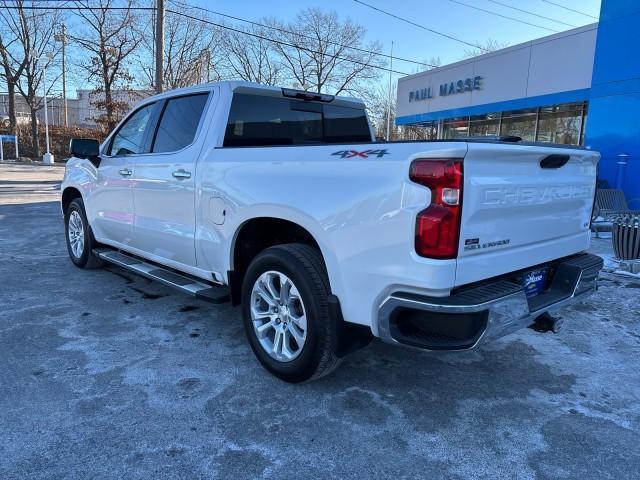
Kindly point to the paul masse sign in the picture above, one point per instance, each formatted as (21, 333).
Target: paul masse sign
(451, 88)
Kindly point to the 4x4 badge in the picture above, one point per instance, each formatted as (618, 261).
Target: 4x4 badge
(362, 154)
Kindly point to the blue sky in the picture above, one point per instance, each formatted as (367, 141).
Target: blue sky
(412, 42)
(442, 15)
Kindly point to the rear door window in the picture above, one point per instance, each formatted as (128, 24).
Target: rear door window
(179, 122)
(256, 120)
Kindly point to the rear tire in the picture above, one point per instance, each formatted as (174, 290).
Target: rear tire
(79, 237)
(283, 286)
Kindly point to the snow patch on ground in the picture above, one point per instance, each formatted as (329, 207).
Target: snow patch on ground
(612, 265)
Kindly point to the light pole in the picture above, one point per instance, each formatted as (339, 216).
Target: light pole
(47, 158)
(62, 37)
(388, 136)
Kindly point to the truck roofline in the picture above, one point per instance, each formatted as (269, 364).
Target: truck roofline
(232, 86)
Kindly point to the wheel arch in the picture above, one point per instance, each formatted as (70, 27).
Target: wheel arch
(258, 233)
(68, 195)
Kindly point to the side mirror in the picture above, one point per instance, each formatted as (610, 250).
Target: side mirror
(84, 148)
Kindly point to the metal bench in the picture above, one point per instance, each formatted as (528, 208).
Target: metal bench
(611, 201)
(610, 204)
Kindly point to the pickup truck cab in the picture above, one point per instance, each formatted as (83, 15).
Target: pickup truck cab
(282, 202)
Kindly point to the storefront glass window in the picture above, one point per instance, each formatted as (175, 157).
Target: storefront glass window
(421, 131)
(521, 123)
(585, 116)
(560, 124)
(455, 128)
(484, 125)
(564, 124)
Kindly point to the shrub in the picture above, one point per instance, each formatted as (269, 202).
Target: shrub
(59, 137)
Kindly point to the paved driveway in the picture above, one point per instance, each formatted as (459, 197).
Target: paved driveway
(105, 375)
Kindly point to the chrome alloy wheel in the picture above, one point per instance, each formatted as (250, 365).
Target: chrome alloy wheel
(75, 232)
(278, 316)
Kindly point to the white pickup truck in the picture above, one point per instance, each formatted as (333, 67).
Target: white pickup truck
(282, 202)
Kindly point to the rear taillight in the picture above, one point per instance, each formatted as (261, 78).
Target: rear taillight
(438, 225)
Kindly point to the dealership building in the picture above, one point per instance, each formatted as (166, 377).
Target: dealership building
(579, 87)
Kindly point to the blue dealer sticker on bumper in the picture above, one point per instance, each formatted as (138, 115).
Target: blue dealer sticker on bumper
(534, 282)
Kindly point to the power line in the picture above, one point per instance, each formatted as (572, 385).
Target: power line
(569, 9)
(371, 52)
(450, 37)
(76, 8)
(490, 12)
(532, 13)
(284, 30)
(280, 42)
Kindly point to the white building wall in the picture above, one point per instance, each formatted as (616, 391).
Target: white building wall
(562, 64)
(556, 63)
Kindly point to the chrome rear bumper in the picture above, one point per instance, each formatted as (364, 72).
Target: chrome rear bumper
(485, 312)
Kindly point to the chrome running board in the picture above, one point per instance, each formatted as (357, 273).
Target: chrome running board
(208, 292)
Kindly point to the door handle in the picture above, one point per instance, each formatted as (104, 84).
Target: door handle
(181, 174)
(125, 172)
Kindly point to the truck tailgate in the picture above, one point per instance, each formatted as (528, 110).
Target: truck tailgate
(523, 205)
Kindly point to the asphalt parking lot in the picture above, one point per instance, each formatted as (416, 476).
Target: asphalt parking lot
(105, 375)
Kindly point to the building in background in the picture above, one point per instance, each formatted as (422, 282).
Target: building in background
(88, 99)
(579, 87)
(537, 90)
(81, 111)
(56, 110)
(614, 98)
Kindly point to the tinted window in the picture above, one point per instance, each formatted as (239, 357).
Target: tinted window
(346, 125)
(179, 122)
(256, 120)
(129, 139)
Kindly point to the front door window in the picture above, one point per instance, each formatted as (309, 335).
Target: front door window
(130, 138)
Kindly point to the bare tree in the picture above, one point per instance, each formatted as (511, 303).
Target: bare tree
(378, 102)
(14, 53)
(190, 51)
(110, 37)
(30, 50)
(490, 45)
(317, 54)
(250, 55)
(428, 64)
(382, 102)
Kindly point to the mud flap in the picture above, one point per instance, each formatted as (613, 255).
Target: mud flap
(350, 336)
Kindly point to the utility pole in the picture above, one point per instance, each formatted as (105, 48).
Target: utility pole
(62, 37)
(159, 44)
(390, 90)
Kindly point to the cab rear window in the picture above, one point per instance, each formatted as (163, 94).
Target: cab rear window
(256, 120)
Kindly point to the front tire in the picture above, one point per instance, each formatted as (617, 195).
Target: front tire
(286, 315)
(80, 240)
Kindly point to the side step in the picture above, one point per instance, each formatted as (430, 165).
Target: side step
(191, 286)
